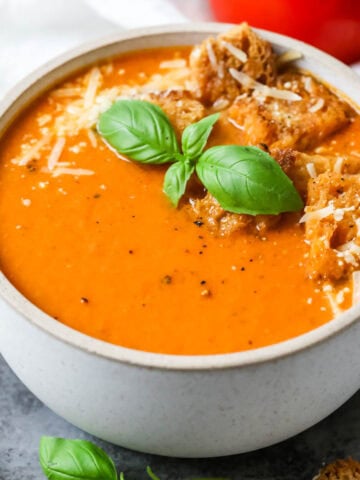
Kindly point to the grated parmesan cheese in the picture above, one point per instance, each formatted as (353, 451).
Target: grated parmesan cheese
(26, 202)
(220, 70)
(44, 119)
(211, 55)
(92, 138)
(317, 214)
(288, 56)
(220, 104)
(350, 246)
(177, 63)
(308, 84)
(93, 85)
(76, 172)
(350, 253)
(356, 287)
(236, 52)
(321, 213)
(338, 165)
(249, 82)
(235, 124)
(310, 167)
(67, 92)
(33, 151)
(333, 304)
(317, 106)
(55, 153)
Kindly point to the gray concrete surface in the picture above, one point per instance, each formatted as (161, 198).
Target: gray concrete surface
(23, 420)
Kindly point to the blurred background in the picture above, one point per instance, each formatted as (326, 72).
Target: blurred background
(33, 31)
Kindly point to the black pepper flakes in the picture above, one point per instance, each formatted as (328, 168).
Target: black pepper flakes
(202, 282)
(131, 252)
(242, 269)
(198, 223)
(84, 300)
(167, 279)
(31, 167)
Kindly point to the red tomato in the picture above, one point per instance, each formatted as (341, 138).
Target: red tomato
(332, 25)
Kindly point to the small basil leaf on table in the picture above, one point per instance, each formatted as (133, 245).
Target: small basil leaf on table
(151, 474)
(195, 136)
(175, 180)
(247, 180)
(139, 130)
(63, 459)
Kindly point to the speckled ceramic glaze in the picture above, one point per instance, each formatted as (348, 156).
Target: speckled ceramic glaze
(189, 406)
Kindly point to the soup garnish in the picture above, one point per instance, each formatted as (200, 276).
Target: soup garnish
(242, 179)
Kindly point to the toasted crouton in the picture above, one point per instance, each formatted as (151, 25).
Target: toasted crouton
(299, 125)
(180, 106)
(211, 60)
(348, 469)
(301, 167)
(223, 223)
(332, 225)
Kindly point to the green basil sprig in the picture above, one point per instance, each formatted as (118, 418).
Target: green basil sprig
(63, 459)
(195, 136)
(139, 130)
(247, 180)
(242, 179)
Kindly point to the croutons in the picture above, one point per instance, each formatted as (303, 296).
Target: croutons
(299, 125)
(223, 223)
(210, 63)
(348, 469)
(180, 106)
(332, 225)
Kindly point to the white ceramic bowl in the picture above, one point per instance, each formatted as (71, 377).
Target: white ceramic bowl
(188, 406)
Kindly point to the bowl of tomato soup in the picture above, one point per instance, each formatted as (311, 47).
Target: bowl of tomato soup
(152, 302)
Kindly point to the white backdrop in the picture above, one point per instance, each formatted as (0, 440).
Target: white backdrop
(33, 31)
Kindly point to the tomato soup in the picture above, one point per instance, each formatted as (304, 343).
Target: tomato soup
(91, 239)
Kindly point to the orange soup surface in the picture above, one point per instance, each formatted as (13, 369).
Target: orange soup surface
(98, 246)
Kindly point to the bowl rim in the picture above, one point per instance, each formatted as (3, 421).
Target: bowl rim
(93, 346)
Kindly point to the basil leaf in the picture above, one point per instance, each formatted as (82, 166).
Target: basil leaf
(140, 130)
(247, 180)
(63, 459)
(176, 179)
(195, 136)
(151, 474)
